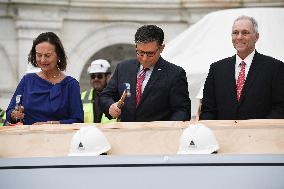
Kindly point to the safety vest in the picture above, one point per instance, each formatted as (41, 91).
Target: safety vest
(87, 99)
(2, 117)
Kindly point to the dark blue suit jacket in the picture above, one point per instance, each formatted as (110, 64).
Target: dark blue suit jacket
(165, 97)
(262, 96)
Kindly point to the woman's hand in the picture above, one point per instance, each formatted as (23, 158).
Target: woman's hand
(18, 114)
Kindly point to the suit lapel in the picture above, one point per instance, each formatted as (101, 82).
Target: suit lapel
(157, 71)
(232, 80)
(252, 75)
(133, 79)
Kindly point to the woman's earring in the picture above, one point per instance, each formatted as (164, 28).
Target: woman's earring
(34, 60)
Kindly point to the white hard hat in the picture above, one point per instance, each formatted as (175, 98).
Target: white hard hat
(198, 139)
(88, 141)
(99, 66)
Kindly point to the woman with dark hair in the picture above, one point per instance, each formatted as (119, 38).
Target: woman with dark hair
(49, 96)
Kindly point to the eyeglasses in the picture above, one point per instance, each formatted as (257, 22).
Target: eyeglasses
(148, 54)
(99, 76)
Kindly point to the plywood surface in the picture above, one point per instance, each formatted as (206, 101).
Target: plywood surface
(144, 138)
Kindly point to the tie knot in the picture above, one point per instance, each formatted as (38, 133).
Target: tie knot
(242, 63)
(145, 69)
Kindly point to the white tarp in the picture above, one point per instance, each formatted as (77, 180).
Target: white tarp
(209, 40)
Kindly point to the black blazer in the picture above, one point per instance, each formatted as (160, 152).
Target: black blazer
(165, 96)
(262, 96)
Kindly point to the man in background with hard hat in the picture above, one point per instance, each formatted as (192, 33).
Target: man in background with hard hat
(99, 72)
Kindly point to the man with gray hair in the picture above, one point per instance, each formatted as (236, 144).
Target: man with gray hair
(248, 85)
(159, 89)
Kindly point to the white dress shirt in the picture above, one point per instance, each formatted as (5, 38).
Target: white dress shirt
(147, 76)
(247, 60)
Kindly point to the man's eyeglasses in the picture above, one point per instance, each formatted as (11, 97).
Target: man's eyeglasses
(99, 76)
(148, 54)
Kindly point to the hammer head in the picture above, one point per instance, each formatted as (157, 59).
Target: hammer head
(127, 90)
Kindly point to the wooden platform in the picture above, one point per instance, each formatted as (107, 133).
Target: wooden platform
(151, 138)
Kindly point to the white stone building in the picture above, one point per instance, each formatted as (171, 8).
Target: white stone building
(91, 29)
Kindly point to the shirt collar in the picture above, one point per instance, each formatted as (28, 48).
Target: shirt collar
(150, 69)
(247, 60)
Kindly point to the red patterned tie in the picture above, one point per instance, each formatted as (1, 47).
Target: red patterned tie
(139, 83)
(241, 80)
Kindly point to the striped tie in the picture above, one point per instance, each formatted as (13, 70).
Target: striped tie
(241, 80)
(139, 83)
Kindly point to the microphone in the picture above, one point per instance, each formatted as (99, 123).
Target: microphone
(126, 94)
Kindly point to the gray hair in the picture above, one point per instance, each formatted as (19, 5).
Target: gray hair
(253, 21)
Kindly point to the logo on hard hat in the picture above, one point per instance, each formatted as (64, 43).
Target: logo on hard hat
(81, 147)
(192, 144)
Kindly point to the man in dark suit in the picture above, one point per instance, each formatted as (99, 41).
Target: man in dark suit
(159, 89)
(248, 85)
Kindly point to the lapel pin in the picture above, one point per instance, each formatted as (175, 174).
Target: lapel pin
(159, 69)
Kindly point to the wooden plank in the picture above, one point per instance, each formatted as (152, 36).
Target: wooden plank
(155, 138)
